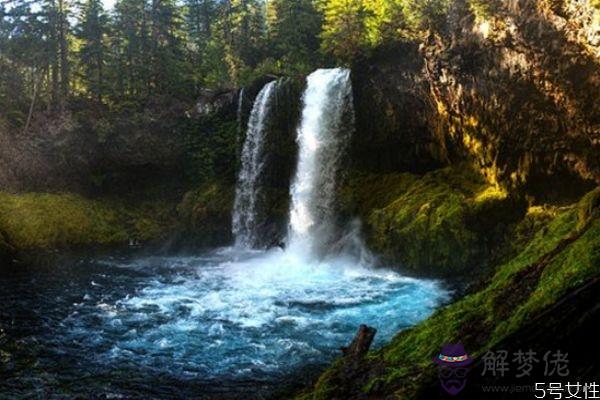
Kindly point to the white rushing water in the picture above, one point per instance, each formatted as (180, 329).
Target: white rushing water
(240, 109)
(322, 138)
(245, 209)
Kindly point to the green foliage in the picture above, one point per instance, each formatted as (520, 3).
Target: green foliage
(352, 28)
(215, 197)
(91, 31)
(385, 21)
(589, 207)
(293, 31)
(144, 51)
(427, 14)
(344, 28)
(211, 144)
(485, 9)
(44, 220)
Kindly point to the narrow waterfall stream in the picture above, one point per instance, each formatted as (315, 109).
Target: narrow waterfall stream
(245, 218)
(321, 140)
(240, 110)
(226, 317)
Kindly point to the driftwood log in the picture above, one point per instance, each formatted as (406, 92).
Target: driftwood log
(361, 343)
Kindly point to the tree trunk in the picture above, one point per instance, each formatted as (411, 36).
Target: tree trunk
(63, 47)
(36, 83)
(361, 343)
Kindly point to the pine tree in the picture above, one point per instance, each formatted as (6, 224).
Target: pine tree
(169, 68)
(131, 49)
(91, 32)
(294, 27)
(344, 28)
(384, 21)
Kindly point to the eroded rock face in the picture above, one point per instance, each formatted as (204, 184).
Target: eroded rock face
(516, 91)
(393, 108)
(213, 101)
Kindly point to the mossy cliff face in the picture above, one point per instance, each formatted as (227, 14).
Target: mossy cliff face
(562, 254)
(44, 221)
(447, 222)
(205, 215)
(513, 88)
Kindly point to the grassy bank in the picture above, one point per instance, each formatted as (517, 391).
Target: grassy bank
(54, 220)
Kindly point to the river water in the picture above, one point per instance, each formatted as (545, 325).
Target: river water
(222, 323)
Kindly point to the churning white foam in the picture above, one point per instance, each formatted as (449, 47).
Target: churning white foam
(241, 314)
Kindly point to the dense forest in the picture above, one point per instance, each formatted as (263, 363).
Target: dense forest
(56, 53)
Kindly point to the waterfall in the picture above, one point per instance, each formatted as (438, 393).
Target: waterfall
(240, 109)
(245, 219)
(322, 137)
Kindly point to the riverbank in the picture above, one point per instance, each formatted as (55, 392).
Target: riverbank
(562, 256)
(54, 221)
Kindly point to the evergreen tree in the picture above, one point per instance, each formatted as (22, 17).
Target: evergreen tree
(344, 32)
(91, 32)
(294, 27)
(169, 70)
(131, 49)
(384, 21)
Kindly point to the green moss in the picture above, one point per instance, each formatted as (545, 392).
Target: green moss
(563, 254)
(324, 387)
(430, 222)
(588, 207)
(206, 213)
(44, 220)
(214, 197)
